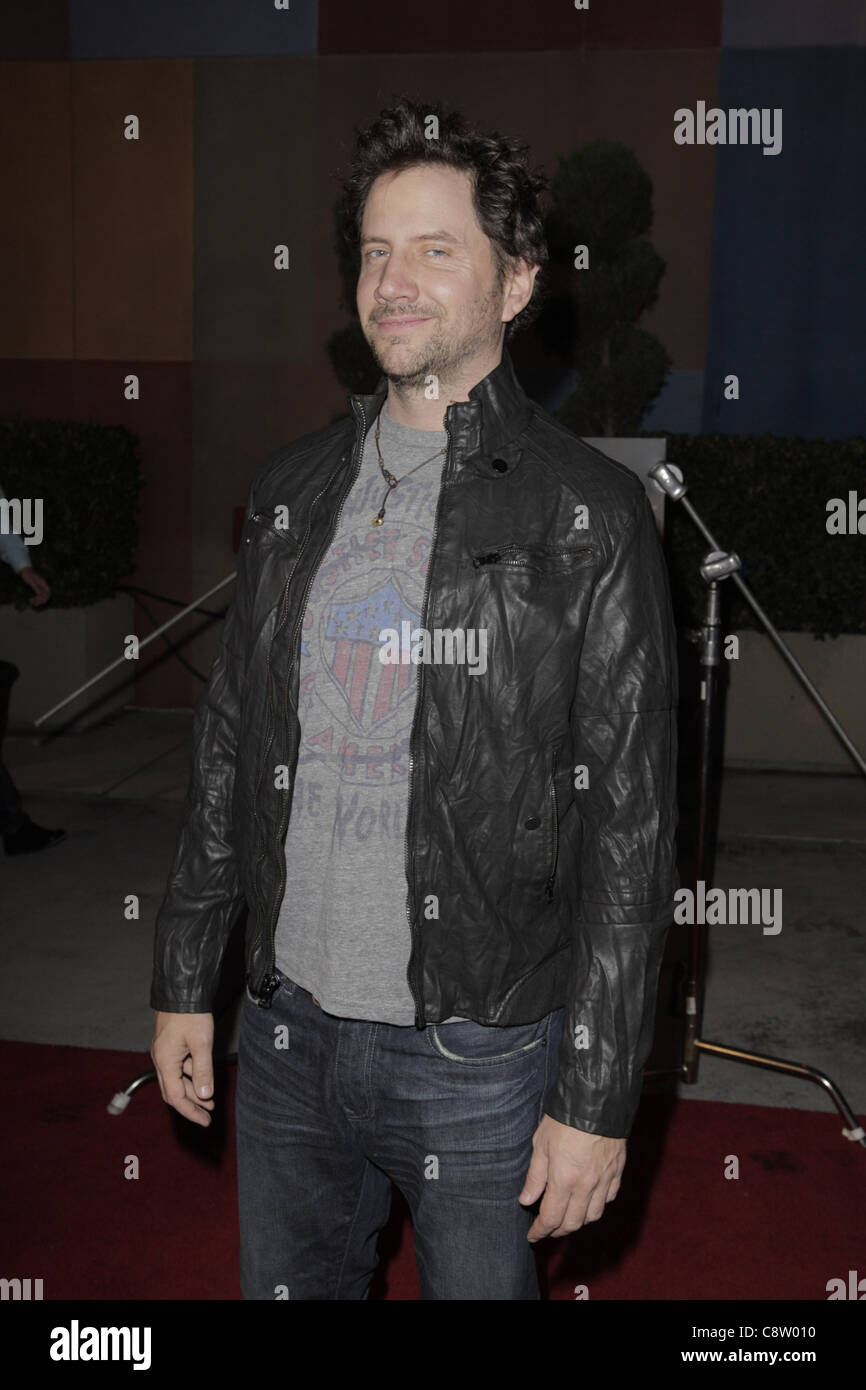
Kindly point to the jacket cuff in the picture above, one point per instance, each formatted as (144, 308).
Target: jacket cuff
(609, 1024)
(164, 999)
(613, 1115)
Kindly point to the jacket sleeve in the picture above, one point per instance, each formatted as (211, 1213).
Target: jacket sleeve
(625, 737)
(203, 895)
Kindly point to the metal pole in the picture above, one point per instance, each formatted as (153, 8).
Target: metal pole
(716, 566)
(121, 659)
(780, 643)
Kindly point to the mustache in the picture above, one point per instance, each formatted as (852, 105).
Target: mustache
(401, 314)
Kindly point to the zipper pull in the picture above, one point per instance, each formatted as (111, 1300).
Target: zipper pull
(270, 985)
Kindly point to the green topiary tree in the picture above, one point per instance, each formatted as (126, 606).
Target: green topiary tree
(602, 199)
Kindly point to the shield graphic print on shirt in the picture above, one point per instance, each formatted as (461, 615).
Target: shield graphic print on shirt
(372, 690)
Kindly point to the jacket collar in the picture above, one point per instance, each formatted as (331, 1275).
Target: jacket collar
(484, 429)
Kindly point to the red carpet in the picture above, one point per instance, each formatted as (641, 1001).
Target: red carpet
(678, 1229)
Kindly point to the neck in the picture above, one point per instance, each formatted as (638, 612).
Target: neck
(408, 405)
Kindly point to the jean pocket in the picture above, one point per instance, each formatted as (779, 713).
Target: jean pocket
(483, 1045)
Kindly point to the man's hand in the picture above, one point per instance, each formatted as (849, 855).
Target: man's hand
(182, 1052)
(580, 1171)
(41, 589)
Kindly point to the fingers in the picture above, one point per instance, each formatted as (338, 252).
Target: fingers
(178, 1092)
(182, 1054)
(551, 1213)
(566, 1209)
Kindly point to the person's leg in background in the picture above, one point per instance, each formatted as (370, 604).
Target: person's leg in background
(20, 834)
(12, 813)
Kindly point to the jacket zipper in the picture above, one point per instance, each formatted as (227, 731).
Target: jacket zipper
(415, 986)
(268, 728)
(271, 980)
(549, 887)
(501, 556)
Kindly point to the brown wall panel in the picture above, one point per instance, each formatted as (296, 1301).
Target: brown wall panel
(133, 210)
(484, 25)
(36, 281)
(256, 158)
(37, 29)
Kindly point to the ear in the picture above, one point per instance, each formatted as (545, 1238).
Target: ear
(517, 289)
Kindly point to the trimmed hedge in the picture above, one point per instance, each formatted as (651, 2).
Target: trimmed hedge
(88, 477)
(765, 497)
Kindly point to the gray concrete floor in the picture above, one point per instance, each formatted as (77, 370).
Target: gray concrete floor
(76, 971)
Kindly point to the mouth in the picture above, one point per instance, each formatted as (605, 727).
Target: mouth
(397, 325)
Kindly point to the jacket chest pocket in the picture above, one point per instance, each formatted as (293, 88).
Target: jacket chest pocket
(267, 524)
(536, 561)
(267, 541)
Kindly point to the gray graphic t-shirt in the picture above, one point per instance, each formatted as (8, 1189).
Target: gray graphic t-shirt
(343, 931)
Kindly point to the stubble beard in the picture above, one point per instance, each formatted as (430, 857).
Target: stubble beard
(443, 356)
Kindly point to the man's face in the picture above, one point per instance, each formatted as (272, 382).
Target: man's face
(428, 296)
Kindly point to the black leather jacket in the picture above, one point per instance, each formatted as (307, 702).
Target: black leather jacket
(542, 804)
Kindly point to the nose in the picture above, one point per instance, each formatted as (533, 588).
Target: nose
(396, 281)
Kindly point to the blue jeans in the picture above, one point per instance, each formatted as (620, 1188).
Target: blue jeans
(330, 1111)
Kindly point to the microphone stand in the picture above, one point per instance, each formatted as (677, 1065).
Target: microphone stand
(717, 566)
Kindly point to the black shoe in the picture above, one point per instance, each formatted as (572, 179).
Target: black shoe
(30, 838)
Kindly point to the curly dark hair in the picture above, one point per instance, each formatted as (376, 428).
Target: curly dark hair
(505, 192)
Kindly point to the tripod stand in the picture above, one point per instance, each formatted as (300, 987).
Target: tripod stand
(717, 566)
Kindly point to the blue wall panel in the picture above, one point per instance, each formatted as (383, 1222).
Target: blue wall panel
(189, 28)
(788, 289)
(677, 408)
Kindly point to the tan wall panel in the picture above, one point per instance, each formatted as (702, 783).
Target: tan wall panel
(256, 157)
(36, 286)
(133, 210)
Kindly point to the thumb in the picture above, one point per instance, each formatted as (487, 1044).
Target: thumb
(202, 1069)
(536, 1178)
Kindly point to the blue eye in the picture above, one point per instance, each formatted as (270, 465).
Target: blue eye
(379, 251)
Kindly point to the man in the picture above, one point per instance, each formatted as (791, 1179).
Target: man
(436, 759)
(21, 834)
